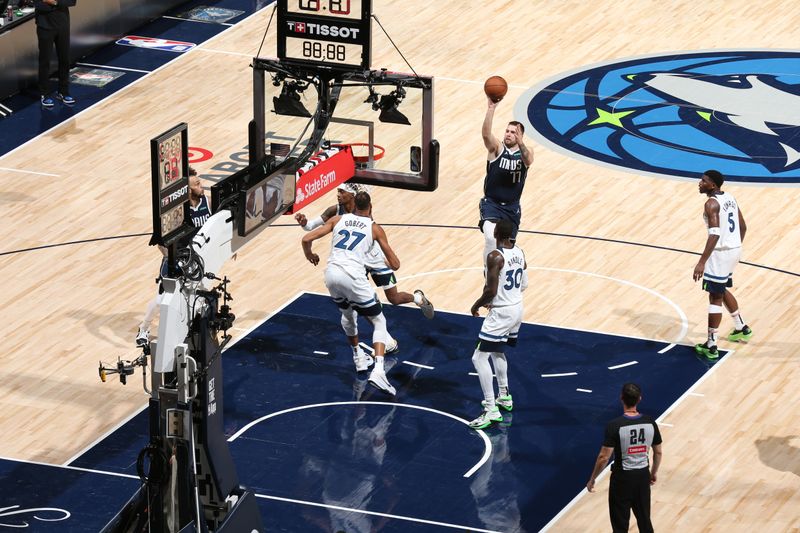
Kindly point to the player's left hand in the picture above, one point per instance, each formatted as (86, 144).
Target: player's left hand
(590, 485)
(313, 258)
(518, 135)
(474, 310)
(698, 270)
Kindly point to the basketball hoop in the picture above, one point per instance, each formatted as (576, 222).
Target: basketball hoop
(361, 154)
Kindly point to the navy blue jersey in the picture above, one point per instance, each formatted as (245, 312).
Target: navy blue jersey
(200, 213)
(505, 177)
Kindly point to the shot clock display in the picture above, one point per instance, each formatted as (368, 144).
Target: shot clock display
(329, 33)
(170, 178)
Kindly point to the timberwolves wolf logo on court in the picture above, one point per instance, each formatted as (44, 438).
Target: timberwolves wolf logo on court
(678, 114)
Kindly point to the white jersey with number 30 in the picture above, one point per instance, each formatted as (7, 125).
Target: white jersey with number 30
(730, 236)
(510, 284)
(352, 239)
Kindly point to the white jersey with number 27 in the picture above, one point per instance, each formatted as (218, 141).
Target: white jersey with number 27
(352, 239)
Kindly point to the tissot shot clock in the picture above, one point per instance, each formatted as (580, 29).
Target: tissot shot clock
(330, 33)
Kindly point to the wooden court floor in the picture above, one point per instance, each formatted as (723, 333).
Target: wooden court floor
(731, 450)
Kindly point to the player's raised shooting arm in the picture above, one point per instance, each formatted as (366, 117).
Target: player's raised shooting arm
(379, 236)
(525, 152)
(489, 140)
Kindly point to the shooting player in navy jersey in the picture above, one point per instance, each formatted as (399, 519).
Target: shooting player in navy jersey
(506, 169)
(199, 211)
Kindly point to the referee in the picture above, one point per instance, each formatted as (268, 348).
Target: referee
(629, 437)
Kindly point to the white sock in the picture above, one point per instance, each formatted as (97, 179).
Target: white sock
(417, 298)
(712, 337)
(738, 321)
(503, 391)
(484, 369)
(379, 364)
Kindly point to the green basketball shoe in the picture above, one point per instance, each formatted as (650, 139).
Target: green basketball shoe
(739, 335)
(706, 351)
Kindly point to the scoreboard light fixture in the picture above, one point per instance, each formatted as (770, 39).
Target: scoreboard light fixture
(288, 102)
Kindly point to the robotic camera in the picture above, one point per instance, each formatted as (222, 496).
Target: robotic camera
(124, 368)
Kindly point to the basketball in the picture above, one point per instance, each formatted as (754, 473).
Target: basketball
(495, 88)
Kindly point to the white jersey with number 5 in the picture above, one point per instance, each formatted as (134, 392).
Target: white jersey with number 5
(509, 287)
(352, 239)
(730, 236)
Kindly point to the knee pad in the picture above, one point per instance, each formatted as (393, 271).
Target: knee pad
(479, 355)
(379, 323)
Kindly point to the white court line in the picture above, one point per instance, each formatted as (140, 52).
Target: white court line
(114, 68)
(239, 54)
(29, 172)
(487, 443)
(169, 63)
(668, 348)
(417, 364)
(476, 374)
(681, 314)
(675, 404)
(583, 390)
(623, 365)
(367, 347)
(320, 353)
(373, 513)
(198, 21)
(563, 374)
(117, 474)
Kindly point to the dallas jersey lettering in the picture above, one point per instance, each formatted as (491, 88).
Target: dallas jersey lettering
(352, 239)
(505, 176)
(509, 287)
(730, 236)
(200, 213)
(631, 438)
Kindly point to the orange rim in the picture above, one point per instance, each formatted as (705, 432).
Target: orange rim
(379, 151)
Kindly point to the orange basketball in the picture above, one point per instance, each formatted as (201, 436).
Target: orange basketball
(495, 88)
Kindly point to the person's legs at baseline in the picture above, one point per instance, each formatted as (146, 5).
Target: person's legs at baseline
(62, 54)
(46, 38)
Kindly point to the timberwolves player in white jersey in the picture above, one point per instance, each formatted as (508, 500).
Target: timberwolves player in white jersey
(353, 236)
(726, 230)
(507, 166)
(506, 278)
(381, 274)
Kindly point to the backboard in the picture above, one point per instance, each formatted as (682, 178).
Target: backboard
(307, 107)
